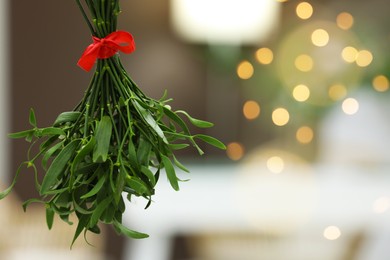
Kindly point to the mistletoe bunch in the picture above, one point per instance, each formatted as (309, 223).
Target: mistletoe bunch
(114, 144)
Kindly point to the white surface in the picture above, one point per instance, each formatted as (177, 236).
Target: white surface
(225, 21)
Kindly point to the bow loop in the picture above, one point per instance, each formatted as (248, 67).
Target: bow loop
(106, 47)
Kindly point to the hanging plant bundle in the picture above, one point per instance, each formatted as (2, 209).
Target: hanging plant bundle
(115, 143)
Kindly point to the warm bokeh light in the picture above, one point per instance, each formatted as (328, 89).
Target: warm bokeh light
(337, 92)
(251, 110)
(301, 93)
(304, 63)
(235, 151)
(264, 56)
(364, 58)
(275, 164)
(349, 54)
(380, 83)
(304, 10)
(320, 37)
(280, 116)
(381, 205)
(332, 233)
(344, 20)
(305, 134)
(350, 106)
(245, 70)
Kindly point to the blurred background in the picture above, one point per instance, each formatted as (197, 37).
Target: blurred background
(298, 91)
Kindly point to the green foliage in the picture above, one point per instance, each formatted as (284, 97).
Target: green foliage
(115, 142)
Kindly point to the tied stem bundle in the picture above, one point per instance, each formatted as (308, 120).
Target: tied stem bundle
(116, 141)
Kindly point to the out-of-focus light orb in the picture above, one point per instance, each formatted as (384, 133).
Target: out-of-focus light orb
(380, 83)
(305, 134)
(364, 58)
(337, 91)
(235, 151)
(344, 20)
(280, 116)
(349, 54)
(251, 110)
(332, 232)
(264, 56)
(282, 1)
(275, 164)
(299, 60)
(304, 10)
(301, 93)
(381, 205)
(320, 37)
(350, 106)
(304, 63)
(245, 70)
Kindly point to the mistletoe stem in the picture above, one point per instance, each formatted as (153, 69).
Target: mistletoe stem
(86, 17)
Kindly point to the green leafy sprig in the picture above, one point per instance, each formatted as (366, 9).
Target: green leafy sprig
(116, 142)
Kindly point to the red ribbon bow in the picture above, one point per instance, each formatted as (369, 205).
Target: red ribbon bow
(106, 47)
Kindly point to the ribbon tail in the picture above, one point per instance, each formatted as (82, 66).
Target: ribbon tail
(89, 57)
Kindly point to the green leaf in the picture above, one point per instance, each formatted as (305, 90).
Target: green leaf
(58, 166)
(52, 131)
(49, 153)
(28, 202)
(66, 117)
(96, 188)
(196, 122)
(4, 193)
(130, 233)
(146, 115)
(148, 173)
(179, 164)
(100, 208)
(32, 119)
(49, 216)
(170, 171)
(137, 185)
(178, 146)
(102, 136)
(211, 140)
(143, 151)
(22, 134)
(84, 151)
(83, 223)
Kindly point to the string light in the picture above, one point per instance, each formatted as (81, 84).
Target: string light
(245, 70)
(301, 93)
(251, 110)
(304, 63)
(349, 54)
(320, 37)
(280, 116)
(332, 233)
(337, 92)
(380, 83)
(304, 10)
(364, 58)
(235, 151)
(350, 106)
(264, 56)
(275, 164)
(344, 20)
(304, 135)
